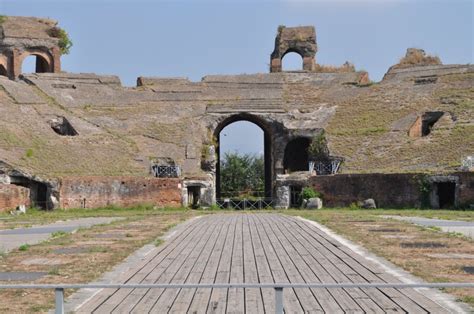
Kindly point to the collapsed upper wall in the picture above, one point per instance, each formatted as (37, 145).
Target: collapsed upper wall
(21, 37)
(121, 130)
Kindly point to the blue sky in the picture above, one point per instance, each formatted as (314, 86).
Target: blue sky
(196, 38)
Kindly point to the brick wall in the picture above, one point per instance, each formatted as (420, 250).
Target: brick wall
(466, 188)
(93, 192)
(12, 196)
(388, 190)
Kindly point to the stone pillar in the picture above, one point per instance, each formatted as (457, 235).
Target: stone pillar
(282, 197)
(56, 66)
(15, 69)
(309, 63)
(275, 65)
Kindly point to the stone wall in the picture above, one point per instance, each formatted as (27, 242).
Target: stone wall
(12, 196)
(93, 192)
(388, 190)
(466, 188)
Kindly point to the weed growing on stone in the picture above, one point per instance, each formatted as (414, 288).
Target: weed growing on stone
(24, 247)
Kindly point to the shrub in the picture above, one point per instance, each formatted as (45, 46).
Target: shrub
(65, 42)
(24, 247)
(318, 149)
(29, 153)
(3, 18)
(309, 192)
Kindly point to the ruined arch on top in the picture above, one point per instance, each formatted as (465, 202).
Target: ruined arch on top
(267, 139)
(292, 52)
(44, 60)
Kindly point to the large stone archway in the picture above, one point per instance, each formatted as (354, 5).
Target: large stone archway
(268, 137)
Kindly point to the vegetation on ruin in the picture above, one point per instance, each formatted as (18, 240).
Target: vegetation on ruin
(242, 175)
(65, 42)
(417, 57)
(308, 192)
(3, 18)
(318, 149)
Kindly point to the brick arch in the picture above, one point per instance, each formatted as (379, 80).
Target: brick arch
(44, 61)
(299, 53)
(268, 136)
(3, 65)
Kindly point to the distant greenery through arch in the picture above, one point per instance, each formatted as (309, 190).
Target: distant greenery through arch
(242, 175)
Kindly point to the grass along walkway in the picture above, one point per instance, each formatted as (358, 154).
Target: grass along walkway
(83, 256)
(428, 253)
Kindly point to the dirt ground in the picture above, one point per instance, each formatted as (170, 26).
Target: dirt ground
(80, 257)
(85, 255)
(428, 253)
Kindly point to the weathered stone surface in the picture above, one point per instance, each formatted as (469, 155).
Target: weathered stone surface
(314, 203)
(368, 204)
(122, 129)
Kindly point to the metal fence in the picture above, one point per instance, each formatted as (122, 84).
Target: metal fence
(235, 203)
(165, 171)
(327, 167)
(278, 288)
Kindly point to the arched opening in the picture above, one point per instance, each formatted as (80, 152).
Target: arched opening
(35, 64)
(296, 155)
(3, 70)
(245, 140)
(292, 61)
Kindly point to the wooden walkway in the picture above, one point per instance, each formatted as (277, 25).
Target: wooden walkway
(256, 248)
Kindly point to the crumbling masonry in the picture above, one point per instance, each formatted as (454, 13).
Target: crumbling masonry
(84, 140)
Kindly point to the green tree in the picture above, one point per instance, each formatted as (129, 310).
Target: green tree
(242, 175)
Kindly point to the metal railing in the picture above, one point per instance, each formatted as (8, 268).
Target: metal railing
(278, 287)
(235, 203)
(165, 171)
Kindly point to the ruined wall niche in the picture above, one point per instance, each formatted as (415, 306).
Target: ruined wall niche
(28, 37)
(296, 155)
(425, 123)
(42, 63)
(301, 40)
(62, 126)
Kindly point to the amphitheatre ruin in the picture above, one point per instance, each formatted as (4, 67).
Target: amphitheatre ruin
(81, 140)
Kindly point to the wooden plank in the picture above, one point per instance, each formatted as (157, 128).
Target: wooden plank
(124, 301)
(190, 272)
(305, 296)
(324, 270)
(299, 256)
(253, 297)
(218, 299)
(170, 245)
(167, 270)
(236, 296)
(377, 295)
(291, 302)
(256, 248)
(200, 300)
(263, 267)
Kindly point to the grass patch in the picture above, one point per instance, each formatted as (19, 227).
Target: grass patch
(58, 234)
(143, 222)
(358, 226)
(23, 247)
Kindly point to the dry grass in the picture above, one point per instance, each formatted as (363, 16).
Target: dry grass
(100, 256)
(345, 68)
(359, 227)
(417, 57)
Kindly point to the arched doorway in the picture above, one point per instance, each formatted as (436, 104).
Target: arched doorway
(296, 155)
(292, 61)
(266, 150)
(3, 70)
(35, 63)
